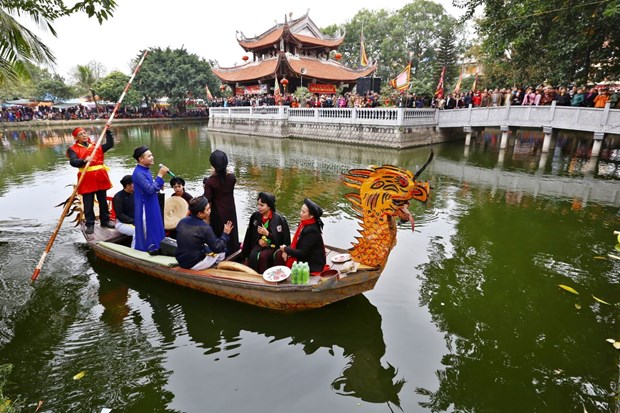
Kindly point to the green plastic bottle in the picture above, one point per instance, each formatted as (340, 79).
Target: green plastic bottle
(295, 273)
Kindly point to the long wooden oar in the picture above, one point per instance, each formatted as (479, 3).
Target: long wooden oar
(37, 270)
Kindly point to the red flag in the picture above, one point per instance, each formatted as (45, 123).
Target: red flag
(401, 82)
(439, 91)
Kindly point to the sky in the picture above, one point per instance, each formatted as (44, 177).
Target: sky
(205, 28)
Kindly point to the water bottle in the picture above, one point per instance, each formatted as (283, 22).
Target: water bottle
(307, 273)
(304, 273)
(294, 273)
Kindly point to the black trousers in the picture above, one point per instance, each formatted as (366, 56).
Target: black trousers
(89, 204)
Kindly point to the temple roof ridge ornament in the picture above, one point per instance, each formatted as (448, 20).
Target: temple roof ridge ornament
(302, 29)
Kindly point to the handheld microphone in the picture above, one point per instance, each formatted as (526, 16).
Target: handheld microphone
(169, 171)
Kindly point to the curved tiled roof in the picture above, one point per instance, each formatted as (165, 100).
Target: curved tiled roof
(318, 42)
(263, 40)
(326, 70)
(249, 71)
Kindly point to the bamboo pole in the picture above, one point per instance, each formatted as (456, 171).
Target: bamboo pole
(69, 202)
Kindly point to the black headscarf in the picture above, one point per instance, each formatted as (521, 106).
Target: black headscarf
(137, 153)
(269, 199)
(219, 162)
(177, 180)
(127, 179)
(315, 211)
(197, 205)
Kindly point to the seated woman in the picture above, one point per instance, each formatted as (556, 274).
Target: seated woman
(307, 245)
(197, 246)
(266, 230)
(178, 185)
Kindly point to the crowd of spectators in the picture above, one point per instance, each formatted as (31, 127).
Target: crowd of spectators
(18, 113)
(596, 97)
(539, 96)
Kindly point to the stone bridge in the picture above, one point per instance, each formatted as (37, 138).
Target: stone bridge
(402, 128)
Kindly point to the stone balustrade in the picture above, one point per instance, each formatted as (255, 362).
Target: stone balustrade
(402, 128)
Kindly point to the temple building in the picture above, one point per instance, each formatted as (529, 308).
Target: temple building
(297, 53)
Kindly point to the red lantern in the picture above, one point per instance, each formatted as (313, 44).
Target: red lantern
(284, 81)
(245, 58)
(222, 87)
(338, 56)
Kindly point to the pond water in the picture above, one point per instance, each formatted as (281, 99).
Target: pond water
(468, 315)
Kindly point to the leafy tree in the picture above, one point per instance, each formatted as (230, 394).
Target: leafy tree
(84, 78)
(536, 41)
(39, 83)
(175, 74)
(54, 86)
(394, 38)
(447, 52)
(19, 45)
(111, 87)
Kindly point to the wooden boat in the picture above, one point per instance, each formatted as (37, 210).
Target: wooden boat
(395, 187)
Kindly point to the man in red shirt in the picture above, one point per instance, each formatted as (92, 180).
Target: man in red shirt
(96, 182)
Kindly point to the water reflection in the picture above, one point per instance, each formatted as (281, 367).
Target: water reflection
(515, 340)
(217, 326)
(570, 152)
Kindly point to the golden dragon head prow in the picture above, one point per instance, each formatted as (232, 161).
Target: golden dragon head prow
(383, 193)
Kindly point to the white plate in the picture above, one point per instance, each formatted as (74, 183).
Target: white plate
(341, 258)
(277, 274)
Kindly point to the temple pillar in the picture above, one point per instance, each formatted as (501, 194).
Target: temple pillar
(548, 131)
(468, 131)
(504, 142)
(598, 142)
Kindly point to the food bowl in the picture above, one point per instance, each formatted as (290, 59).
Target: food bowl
(329, 273)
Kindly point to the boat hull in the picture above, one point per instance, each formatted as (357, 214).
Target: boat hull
(251, 289)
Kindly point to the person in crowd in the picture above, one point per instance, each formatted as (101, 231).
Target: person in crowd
(124, 207)
(578, 98)
(590, 97)
(147, 213)
(219, 190)
(267, 229)
(563, 98)
(178, 186)
(601, 100)
(307, 245)
(96, 181)
(198, 248)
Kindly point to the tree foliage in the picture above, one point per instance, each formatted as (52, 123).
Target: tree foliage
(111, 87)
(40, 84)
(536, 41)
(392, 39)
(19, 45)
(175, 74)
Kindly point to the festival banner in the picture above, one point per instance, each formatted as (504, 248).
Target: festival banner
(439, 90)
(475, 85)
(322, 88)
(401, 82)
(251, 90)
(363, 56)
(457, 88)
(209, 95)
(276, 91)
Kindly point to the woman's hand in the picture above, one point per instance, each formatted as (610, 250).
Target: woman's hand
(262, 243)
(262, 230)
(284, 254)
(228, 227)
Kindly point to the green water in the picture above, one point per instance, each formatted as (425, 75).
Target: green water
(468, 315)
